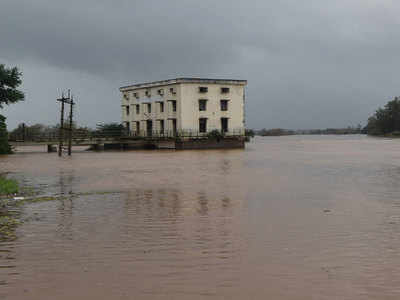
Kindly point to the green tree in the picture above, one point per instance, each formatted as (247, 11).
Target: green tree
(4, 146)
(386, 120)
(110, 129)
(249, 133)
(10, 79)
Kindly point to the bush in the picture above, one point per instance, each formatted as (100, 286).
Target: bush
(215, 134)
(396, 133)
(4, 146)
(249, 133)
(8, 186)
(110, 129)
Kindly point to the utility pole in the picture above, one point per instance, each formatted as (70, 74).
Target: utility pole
(70, 126)
(64, 100)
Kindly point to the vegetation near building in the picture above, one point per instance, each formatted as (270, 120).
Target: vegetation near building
(386, 120)
(40, 131)
(110, 129)
(10, 79)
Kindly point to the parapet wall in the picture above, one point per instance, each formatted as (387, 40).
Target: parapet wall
(186, 144)
(224, 143)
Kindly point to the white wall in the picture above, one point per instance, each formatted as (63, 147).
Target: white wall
(190, 106)
(187, 96)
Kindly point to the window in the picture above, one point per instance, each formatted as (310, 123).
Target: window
(148, 93)
(202, 105)
(173, 105)
(160, 92)
(224, 124)
(224, 105)
(137, 127)
(224, 90)
(149, 108)
(137, 109)
(126, 96)
(127, 110)
(136, 95)
(203, 89)
(203, 125)
(172, 91)
(161, 107)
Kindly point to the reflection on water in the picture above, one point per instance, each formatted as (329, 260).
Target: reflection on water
(288, 218)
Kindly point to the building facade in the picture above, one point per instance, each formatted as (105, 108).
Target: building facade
(184, 106)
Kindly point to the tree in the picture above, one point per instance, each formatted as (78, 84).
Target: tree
(385, 120)
(249, 133)
(10, 79)
(110, 129)
(4, 146)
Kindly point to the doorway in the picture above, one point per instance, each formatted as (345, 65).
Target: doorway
(174, 126)
(149, 127)
(224, 125)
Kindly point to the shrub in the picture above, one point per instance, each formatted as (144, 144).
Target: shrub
(215, 134)
(8, 186)
(4, 146)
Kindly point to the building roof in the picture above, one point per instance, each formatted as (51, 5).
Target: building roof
(183, 80)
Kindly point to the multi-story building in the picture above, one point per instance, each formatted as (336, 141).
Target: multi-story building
(184, 105)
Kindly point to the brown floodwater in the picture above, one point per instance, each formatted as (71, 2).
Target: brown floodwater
(300, 217)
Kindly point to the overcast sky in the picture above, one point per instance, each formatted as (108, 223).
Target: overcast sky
(309, 64)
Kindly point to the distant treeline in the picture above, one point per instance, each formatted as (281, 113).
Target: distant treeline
(386, 120)
(281, 132)
(26, 132)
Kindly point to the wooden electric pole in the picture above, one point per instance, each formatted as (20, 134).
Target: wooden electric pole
(65, 100)
(70, 126)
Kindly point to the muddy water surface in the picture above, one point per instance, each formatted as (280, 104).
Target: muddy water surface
(298, 217)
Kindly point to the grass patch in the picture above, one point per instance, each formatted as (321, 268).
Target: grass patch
(8, 186)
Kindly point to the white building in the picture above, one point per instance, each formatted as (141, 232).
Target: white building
(184, 106)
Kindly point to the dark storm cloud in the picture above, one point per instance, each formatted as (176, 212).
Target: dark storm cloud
(309, 63)
(101, 37)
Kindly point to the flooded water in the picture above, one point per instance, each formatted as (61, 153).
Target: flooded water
(300, 217)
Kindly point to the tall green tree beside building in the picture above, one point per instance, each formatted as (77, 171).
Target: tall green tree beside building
(10, 79)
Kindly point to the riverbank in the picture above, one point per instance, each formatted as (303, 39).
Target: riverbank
(8, 220)
(393, 135)
(12, 197)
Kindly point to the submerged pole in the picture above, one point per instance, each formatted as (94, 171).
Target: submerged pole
(61, 131)
(70, 127)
